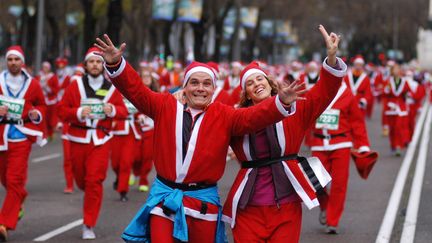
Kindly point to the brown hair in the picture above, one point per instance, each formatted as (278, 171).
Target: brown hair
(154, 86)
(245, 102)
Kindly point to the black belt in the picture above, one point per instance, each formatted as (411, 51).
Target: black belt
(329, 136)
(267, 161)
(184, 186)
(14, 122)
(311, 175)
(103, 129)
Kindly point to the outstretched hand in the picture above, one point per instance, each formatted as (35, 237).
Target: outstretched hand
(109, 52)
(288, 93)
(332, 44)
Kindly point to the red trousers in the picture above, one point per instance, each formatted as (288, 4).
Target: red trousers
(67, 164)
(51, 119)
(90, 164)
(13, 173)
(122, 157)
(337, 164)
(199, 231)
(270, 224)
(399, 131)
(144, 158)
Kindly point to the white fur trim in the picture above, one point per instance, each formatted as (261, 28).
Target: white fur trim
(16, 53)
(282, 109)
(118, 71)
(335, 72)
(199, 69)
(179, 138)
(248, 73)
(331, 147)
(38, 120)
(364, 149)
(237, 196)
(92, 54)
(181, 175)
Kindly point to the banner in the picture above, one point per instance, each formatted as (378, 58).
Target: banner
(267, 28)
(163, 9)
(190, 11)
(249, 17)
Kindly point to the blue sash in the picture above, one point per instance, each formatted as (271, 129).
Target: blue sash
(138, 229)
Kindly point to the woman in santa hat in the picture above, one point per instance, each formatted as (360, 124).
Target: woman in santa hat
(193, 140)
(264, 203)
(89, 105)
(22, 118)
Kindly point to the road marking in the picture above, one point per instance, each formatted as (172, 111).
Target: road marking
(60, 230)
(47, 157)
(410, 223)
(389, 219)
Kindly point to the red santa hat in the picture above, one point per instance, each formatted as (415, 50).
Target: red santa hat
(312, 64)
(364, 162)
(250, 69)
(61, 61)
(195, 67)
(359, 60)
(46, 64)
(297, 64)
(80, 68)
(215, 66)
(17, 51)
(91, 52)
(144, 64)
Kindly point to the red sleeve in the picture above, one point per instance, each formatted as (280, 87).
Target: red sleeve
(251, 119)
(37, 102)
(129, 83)
(68, 106)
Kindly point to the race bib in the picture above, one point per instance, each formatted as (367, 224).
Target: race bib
(15, 106)
(329, 119)
(130, 107)
(96, 106)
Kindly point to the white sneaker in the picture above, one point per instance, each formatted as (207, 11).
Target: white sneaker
(88, 233)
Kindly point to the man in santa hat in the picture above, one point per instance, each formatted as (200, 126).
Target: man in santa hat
(50, 86)
(359, 83)
(22, 109)
(89, 105)
(183, 203)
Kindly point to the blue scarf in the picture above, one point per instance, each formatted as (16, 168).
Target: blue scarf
(138, 229)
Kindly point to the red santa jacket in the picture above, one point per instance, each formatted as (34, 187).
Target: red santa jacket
(34, 99)
(361, 88)
(222, 96)
(50, 87)
(351, 130)
(395, 97)
(290, 133)
(69, 110)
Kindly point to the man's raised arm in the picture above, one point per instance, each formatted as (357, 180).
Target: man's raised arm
(127, 80)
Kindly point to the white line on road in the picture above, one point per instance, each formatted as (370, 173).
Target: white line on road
(410, 223)
(389, 219)
(47, 157)
(60, 230)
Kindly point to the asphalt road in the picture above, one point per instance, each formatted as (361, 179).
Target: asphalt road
(47, 208)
